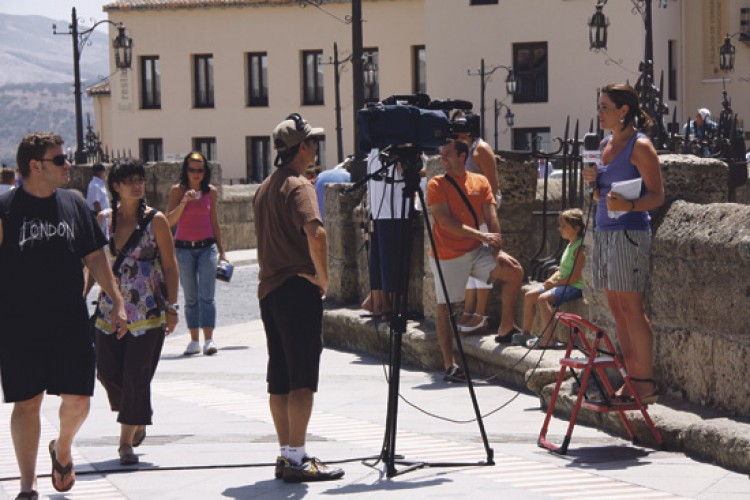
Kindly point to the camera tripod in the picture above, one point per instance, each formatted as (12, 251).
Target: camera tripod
(410, 159)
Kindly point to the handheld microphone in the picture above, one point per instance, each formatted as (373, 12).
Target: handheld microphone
(591, 154)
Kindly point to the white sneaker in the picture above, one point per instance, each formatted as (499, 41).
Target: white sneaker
(193, 347)
(209, 348)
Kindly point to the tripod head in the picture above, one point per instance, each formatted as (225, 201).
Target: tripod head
(410, 159)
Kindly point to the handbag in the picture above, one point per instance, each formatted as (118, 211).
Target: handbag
(224, 271)
(135, 237)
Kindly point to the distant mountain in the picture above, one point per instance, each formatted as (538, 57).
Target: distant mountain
(36, 84)
(30, 53)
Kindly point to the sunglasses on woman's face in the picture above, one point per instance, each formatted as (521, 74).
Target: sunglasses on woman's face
(195, 170)
(58, 160)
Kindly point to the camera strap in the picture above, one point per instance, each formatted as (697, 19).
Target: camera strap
(463, 197)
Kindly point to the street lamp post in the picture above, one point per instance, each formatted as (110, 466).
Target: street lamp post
(509, 117)
(122, 46)
(369, 78)
(511, 85)
(337, 87)
(650, 95)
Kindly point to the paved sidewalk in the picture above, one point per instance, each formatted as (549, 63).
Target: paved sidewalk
(213, 438)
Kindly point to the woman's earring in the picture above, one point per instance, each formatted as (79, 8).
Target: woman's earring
(622, 120)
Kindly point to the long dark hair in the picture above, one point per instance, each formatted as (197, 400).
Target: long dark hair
(622, 94)
(205, 183)
(121, 170)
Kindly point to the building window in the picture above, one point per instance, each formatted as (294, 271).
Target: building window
(372, 92)
(257, 79)
(258, 158)
(150, 83)
(530, 63)
(206, 146)
(523, 137)
(203, 81)
(672, 71)
(151, 150)
(483, 2)
(419, 72)
(312, 77)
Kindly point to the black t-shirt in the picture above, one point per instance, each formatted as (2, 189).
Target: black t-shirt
(41, 272)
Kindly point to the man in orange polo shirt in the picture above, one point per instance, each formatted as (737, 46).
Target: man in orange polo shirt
(463, 250)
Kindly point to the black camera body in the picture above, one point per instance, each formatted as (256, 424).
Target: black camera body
(412, 120)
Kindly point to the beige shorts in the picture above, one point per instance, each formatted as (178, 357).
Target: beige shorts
(478, 263)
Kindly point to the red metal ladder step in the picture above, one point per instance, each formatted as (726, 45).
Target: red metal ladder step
(593, 363)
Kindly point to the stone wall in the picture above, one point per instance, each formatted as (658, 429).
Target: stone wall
(698, 300)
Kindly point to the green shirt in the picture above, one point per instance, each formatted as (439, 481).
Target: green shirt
(567, 261)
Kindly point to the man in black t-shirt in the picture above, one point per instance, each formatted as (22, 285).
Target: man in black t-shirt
(47, 234)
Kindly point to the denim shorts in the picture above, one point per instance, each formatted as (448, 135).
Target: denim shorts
(563, 294)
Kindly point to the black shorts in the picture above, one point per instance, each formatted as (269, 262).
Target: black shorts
(292, 316)
(66, 368)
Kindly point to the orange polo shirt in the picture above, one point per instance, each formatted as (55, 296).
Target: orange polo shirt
(477, 189)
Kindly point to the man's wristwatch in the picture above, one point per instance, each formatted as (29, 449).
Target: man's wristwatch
(173, 307)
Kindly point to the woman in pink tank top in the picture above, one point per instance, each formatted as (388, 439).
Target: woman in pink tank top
(192, 207)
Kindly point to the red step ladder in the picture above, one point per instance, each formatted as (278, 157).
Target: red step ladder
(597, 359)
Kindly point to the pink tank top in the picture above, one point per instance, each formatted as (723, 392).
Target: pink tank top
(195, 221)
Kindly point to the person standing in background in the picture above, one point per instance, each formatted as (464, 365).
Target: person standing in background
(193, 209)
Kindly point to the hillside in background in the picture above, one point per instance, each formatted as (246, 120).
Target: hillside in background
(36, 84)
(37, 106)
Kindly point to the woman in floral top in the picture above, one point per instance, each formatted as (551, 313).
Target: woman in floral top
(149, 279)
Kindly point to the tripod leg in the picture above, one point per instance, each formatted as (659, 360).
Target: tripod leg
(480, 422)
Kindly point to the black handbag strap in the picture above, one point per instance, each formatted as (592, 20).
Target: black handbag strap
(463, 197)
(132, 241)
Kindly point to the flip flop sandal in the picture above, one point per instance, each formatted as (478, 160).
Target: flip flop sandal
(127, 457)
(63, 471)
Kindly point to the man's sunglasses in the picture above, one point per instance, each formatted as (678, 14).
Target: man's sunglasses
(58, 160)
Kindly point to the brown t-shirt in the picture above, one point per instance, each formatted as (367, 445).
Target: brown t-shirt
(284, 203)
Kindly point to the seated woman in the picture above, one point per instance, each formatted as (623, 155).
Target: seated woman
(564, 285)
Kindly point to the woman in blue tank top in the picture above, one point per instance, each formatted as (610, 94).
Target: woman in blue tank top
(622, 241)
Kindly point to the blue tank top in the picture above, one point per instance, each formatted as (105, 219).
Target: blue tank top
(621, 169)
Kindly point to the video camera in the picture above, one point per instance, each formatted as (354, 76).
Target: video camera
(412, 120)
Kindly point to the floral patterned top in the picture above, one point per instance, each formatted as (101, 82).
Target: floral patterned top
(142, 286)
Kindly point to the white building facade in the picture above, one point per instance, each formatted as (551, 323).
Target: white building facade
(218, 75)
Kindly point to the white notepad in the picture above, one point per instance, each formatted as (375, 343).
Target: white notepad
(630, 190)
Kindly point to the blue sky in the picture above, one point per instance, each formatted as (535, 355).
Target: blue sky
(57, 9)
